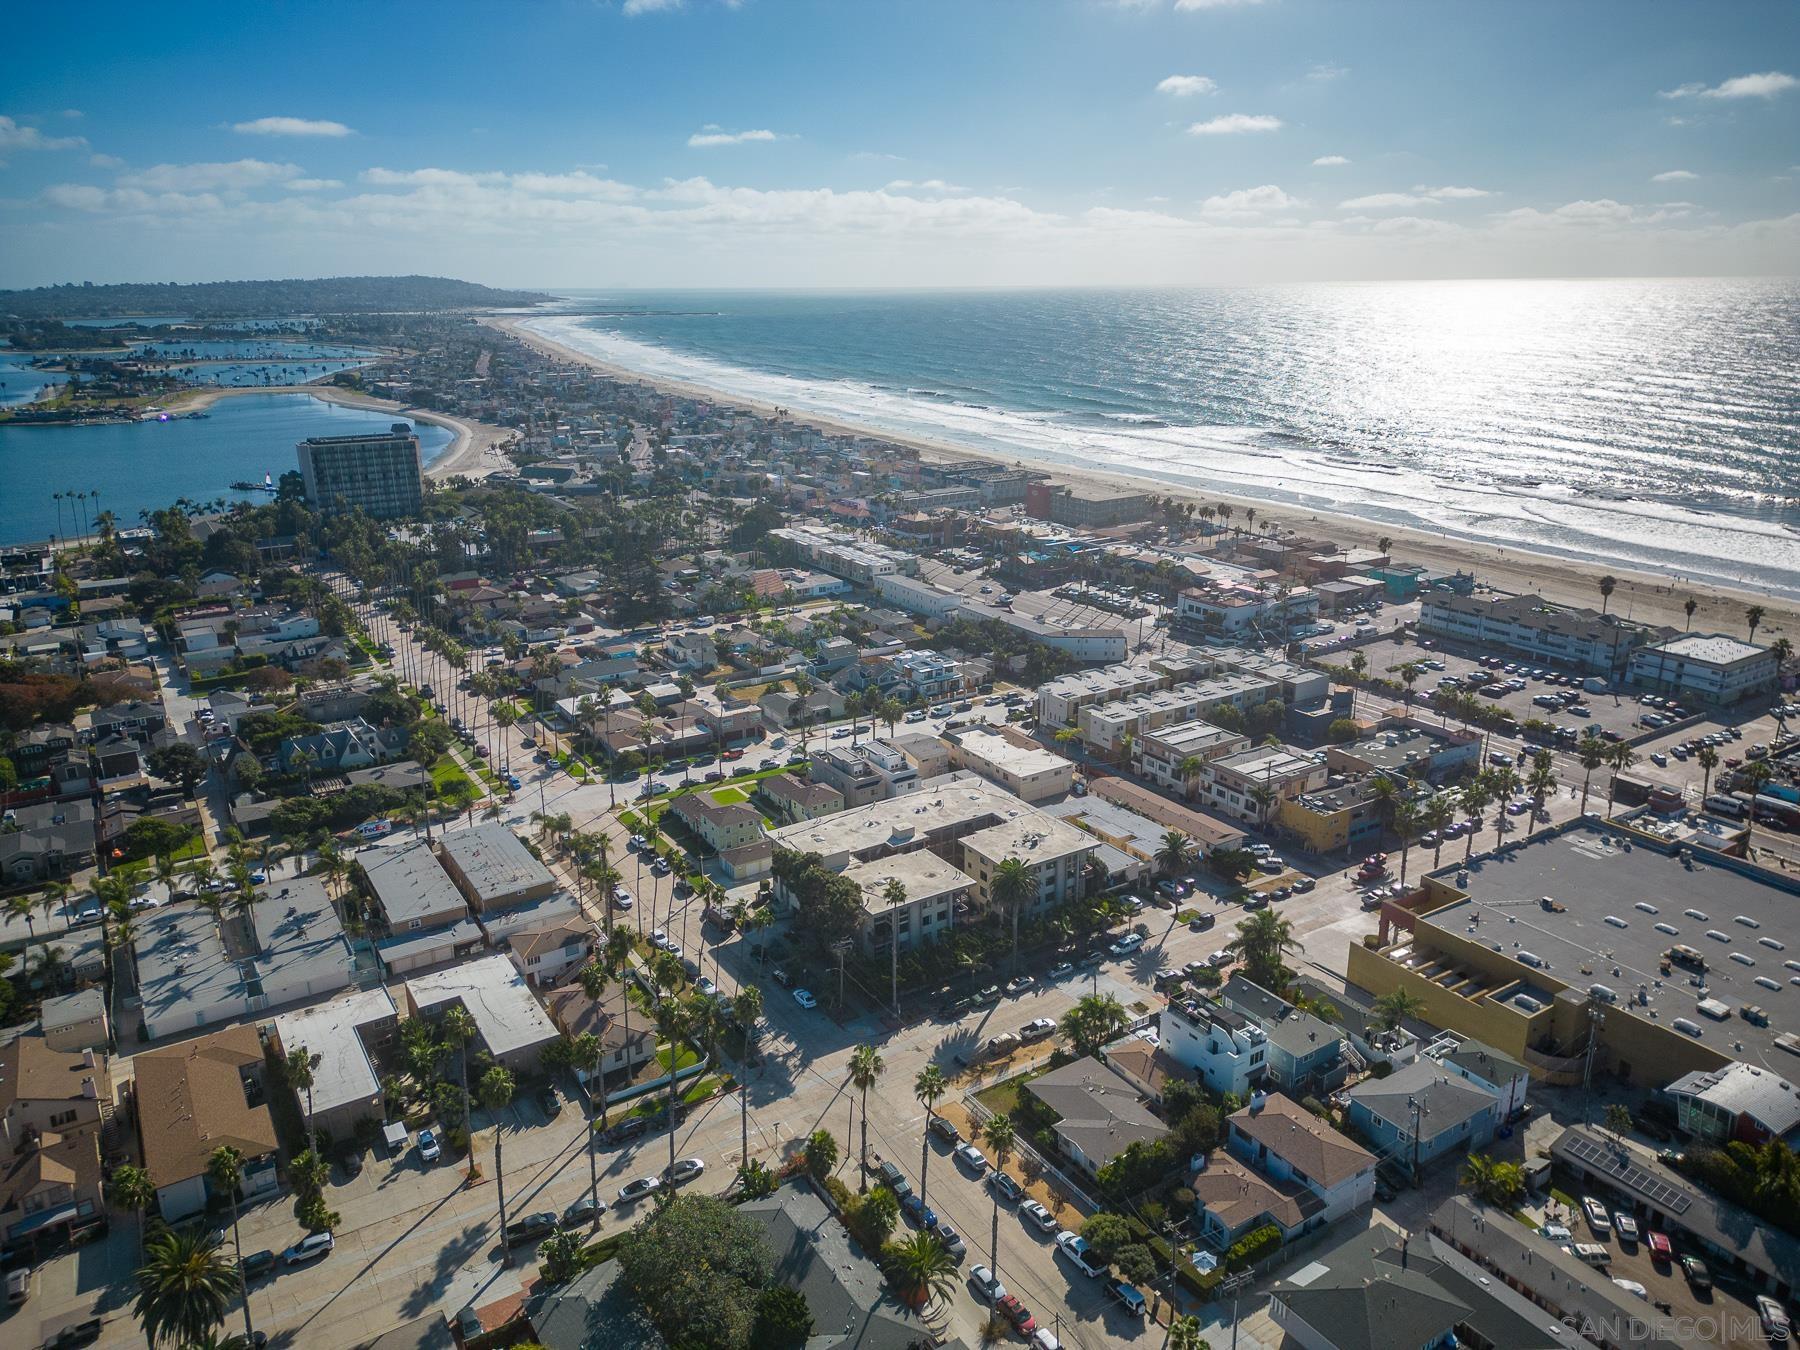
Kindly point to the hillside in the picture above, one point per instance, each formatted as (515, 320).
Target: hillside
(236, 299)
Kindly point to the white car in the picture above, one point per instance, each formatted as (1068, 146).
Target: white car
(1126, 945)
(987, 1284)
(684, 1171)
(1037, 1028)
(1037, 1214)
(970, 1157)
(1633, 1288)
(805, 999)
(1625, 1226)
(1075, 1248)
(1597, 1217)
(429, 1150)
(706, 986)
(1557, 1232)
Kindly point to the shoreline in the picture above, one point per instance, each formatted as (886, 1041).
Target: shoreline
(1646, 596)
(472, 454)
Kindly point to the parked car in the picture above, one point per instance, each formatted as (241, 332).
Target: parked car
(1597, 1217)
(1019, 984)
(1074, 1247)
(583, 1213)
(918, 1211)
(894, 1179)
(1775, 1323)
(1037, 1028)
(1699, 1277)
(429, 1148)
(1061, 970)
(257, 1264)
(683, 1172)
(1035, 1212)
(311, 1248)
(970, 1157)
(1009, 1191)
(805, 999)
(1017, 1313)
(530, 1228)
(549, 1101)
(1556, 1232)
(945, 1130)
(951, 1239)
(1126, 1295)
(1625, 1226)
(1660, 1247)
(1126, 945)
(633, 1191)
(625, 1130)
(987, 1284)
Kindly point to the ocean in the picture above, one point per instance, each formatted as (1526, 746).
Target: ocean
(1649, 424)
(131, 467)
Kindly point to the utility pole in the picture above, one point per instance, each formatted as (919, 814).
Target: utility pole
(1596, 1020)
(1235, 1286)
(1419, 1112)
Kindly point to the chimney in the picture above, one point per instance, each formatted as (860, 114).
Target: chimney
(89, 1090)
(87, 1059)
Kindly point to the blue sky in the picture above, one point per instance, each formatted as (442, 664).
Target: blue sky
(664, 143)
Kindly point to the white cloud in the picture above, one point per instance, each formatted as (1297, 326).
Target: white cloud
(237, 175)
(311, 184)
(1250, 202)
(1330, 162)
(106, 161)
(1232, 124)
(1327, 71)
(711, 135)
(1452, 194)
(1673, 176)
(1765, 85)
(1385, 201)
(17, 136)
(633, 8)
(1214, 4)
(128, 201)
(1186, 86)
(1584, 214)
(291, 126)
(927, 185)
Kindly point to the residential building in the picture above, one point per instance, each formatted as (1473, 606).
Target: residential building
(1087, 506)
(719, 826)
(1247, 785)
(186, 980)
(1349, 816)
(1503, 1076)
(546, 957)
(1229, 1051)
(1712, 669)
(1054, 852)
(1282, 1139)
(1208, 832)
(1060, 700)
(492, 867)
(340, 747)
(45, 840)
(412, 891)
(301, 950)
(1100, 1113)
(933, 890)
(792, 799)
(341, 1039)
(378, 474)
(1410, 749)
(49, 1191)
(509, 1022)
(1175, 757)
(76, 1021)
(1011, 760)
(1743, 1102)
(193, 1098)
(1421, 1114)
(1567, 636)
(1104, 725)
(44, 1091)
(872, 771)
(1240, 612)
(575, 1014)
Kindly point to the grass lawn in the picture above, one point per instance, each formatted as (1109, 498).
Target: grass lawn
(730, 796)
(446, 774)
(686, 1058)
(192, 851)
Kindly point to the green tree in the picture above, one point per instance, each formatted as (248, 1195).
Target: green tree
(820, 1153)
(783, 1319)
(184, 1287)
(1618, 1120)
(1398, 1006)
(1498, 1183)
(458, 1029)
(1093, 1022)
(560, 1256)
(133, 1190)
(923, 1268)
(1608, 584)
(1013, 887)
(1184, 1334)
(928, 1086)
(698, 1267)
(225, 1169)
(998, 1133)
(1174, 853)
(1135, 1263)
(866, 1066)
(1105, 1234)
(1708, 760)
(1262, 941)
(746, 1010)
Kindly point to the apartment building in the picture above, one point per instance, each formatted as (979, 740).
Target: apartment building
(1061, 699)
(492, 867)
(1236, 612)
(933, 889)
(1529, 625)
(378, 474)
(1162, 754)
(1710, 668)
(1232, 783)
(1227, 1049)
(1012, 761)
(1104, 725)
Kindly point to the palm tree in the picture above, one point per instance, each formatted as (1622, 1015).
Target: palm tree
(746, 1008)
(923, 1267)
(866, 1066)
(1184, 1334)
(1093, 1022)
(1437, 813)
(225, 1169)
(1620, 757)
(132, 1189)
(1688, 607)
(299, 1067)
(1406, 826)
(1755, 776)
(1014, 883)
(1176, 849)
(1592, 752)
(1398, 1006)
(672, 1026)
(586, 1053)
(21, 907)
(184, 1287)
(895, 895)
(1541, 782)
(1608, 585)
(1754, 617)
(927, 1088)
(1187, 771)
(999, 1135)
(1708, 760)
(496, 1095)
(1261, 942)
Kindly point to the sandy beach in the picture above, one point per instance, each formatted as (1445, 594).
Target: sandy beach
(475, 453)
(1646, 596)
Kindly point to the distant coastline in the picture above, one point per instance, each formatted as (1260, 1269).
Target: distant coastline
(1645, 595)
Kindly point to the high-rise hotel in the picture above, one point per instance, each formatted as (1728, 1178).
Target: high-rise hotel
(377, 472)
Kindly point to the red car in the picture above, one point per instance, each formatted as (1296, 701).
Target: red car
(1658, 1243)
(1017, 1313)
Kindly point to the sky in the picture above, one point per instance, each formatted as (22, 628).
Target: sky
(861, 143)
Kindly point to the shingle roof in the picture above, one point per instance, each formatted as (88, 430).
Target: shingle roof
(1101, 1112)
(1288, 1130)
(1236, 1195)
(191, 1100)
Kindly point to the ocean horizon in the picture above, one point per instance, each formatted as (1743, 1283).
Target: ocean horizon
(1645, 424)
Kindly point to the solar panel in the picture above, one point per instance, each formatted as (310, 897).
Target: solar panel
(1611, 1163)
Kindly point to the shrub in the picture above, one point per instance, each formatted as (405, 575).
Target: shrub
(1253, 1246)
(315, 1215)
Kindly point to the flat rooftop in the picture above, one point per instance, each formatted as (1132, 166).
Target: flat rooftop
(1619, 907)
(1401, 749)
(495, 862)
(1032, 838)
(507, 1015)
(1195, 738)
(410, 884)
(301, 938)
(1007, 756)
(1713, 649)
(344, 1074)
(185, 975)
(951, 803)
(925, 876)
